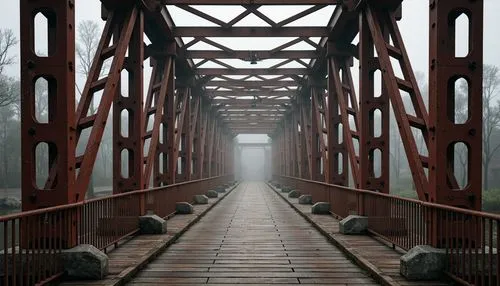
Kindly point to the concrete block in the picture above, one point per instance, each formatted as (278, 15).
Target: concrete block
(212, 194)
(85, 262)
(183, 208)
(423, 262)
(305, 200)
(294, 194)
(353, 224)
(286, 189)
(220, 189)
(152, 224)
(200, 199)
(321, 208)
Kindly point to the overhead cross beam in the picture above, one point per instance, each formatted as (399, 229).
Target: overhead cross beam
(253, 2)
(250, 32)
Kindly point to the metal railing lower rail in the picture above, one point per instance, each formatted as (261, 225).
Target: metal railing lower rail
(31, 242)
(469, 238)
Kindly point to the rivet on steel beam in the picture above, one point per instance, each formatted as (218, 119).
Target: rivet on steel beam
(30, 64)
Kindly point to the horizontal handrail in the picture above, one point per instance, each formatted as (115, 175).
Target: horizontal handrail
(32, 241)
(469, 238)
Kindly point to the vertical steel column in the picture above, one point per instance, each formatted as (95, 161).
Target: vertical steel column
(286, 132)
(282, 150)
(298, 139)
(291, 145)
(210, 142)
(338, 160)
(184, 136)
(318, 151)
(369, 140)
(445, 133)
(57, 68)
(305, 105)
(130, 139)
(196, 119)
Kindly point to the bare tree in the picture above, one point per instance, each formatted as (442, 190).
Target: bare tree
(86, 47)
(491, 117)
(7, 42)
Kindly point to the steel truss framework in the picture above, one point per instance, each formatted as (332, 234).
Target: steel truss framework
(183, 127)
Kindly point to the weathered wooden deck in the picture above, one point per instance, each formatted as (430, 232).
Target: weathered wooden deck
(252, 237)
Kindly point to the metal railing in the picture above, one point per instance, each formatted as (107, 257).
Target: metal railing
(31, 242)
(469, 238)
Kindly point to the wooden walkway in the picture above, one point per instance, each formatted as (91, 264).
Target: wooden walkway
(376, 255)
(252, 237)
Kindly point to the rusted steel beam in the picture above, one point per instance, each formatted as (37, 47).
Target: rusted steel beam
(306, 138)
(227, 71)
(204, 139)
(338, 162)
(251, 121)
(445, 69)
(130, 141)
(370, 102)
(158, 93)
(319, 157)
(250, 32)
(210, 143)
(249, 55)
(196, 119)
(253, 2)
(347, 102)
(252, 84)
(261, 101)
(232, 113)
(238, 93)
(376, 19)
(183, 136)
(57, 67)
(126, 19)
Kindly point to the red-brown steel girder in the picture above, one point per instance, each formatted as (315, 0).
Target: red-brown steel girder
(57, 67)
(445, 68)
(371, 140)
(128, 137)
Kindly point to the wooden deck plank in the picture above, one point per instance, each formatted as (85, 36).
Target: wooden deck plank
(378, 253)
(252, 237)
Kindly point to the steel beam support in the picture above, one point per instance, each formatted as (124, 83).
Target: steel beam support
(57, 68)
(382, 25)
(305, 132)
(297, 139)
(444, 131)
(157, 106)
(250, 32)
(105, 86)
(371, 140)
(206, 128)
(196, 135)
(255, 2)
(318, 152)
(58, 133)
(128, 137)
(338, 162)
(183, 145)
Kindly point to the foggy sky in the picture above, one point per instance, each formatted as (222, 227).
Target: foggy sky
(414, 29)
